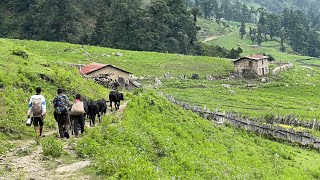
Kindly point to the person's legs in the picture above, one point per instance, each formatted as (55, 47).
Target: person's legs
(76, 124)
(66, 123)
(41, 126)
(35, 124)
(81, 121)
(60, 126)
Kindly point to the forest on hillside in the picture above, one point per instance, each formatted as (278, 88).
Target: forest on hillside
(155, 25)
(297, 27)
(277, 6)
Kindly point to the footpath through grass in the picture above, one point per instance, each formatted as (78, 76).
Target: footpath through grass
(19, 78)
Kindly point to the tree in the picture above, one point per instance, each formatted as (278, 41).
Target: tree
(262, 24)
(58, 21)
(245, 13)
(183, 29)
(207, 7)
(282, 38)
(195, 12)
(242, 30)
(273, 25)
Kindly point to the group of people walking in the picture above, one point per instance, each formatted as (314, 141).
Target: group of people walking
(64, 113)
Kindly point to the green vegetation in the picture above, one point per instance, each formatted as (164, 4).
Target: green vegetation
(52, 146)
(291, 92)
(139, 63)
(212, 29)
(232, 40)
(269, 47)
(163, 141)
(18, 79)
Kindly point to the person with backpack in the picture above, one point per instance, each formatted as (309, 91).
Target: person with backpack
(37, 110)
(77, 115)
(61, 106)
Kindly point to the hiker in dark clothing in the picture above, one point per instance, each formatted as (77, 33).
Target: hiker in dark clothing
(61, 105)
(77, 115)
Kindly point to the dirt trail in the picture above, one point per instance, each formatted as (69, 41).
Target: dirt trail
(210, 38)
(27, 162)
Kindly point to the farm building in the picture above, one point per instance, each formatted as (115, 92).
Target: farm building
(108, 73)
(251, 66)
(97, 70)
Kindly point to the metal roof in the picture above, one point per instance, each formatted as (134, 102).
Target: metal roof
(253, 57)
(92, 67)
(88, 68)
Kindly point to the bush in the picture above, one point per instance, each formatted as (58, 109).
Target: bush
(52, 147)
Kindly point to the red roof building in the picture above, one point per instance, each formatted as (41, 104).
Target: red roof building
(89, 68)
(97, 69)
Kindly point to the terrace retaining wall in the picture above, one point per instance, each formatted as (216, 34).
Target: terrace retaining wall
(303, 138)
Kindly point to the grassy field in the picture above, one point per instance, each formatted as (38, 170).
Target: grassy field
(291, 92)
(212, 29)
(163, 141)
(138, 63)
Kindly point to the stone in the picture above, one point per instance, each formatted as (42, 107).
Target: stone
(158, 81)
(226, 85)
(86, 53)
(119, 54)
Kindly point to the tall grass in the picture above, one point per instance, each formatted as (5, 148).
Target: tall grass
(163, 141)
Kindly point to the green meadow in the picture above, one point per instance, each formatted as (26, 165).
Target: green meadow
(160, 140)
(164, 141)
(291, 92)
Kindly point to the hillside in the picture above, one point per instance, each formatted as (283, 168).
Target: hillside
(19, 77)
(277, 6)
(163, 141)
(153, 138)
(229, 38)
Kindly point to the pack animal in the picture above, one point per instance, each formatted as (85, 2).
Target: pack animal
(93, 111)
(115, 97)
(102, 103)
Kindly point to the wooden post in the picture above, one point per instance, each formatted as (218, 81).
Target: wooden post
(314, 122)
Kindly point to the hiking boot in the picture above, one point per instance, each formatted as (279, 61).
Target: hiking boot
(66, 134)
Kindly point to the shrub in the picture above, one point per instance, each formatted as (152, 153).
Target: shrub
(52, 147)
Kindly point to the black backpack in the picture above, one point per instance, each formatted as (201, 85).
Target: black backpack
(60, 105)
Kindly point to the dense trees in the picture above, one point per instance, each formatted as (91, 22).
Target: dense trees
(153, 25)
(156, 25)
(292, 27)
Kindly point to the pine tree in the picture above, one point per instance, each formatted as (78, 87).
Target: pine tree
(242, 30)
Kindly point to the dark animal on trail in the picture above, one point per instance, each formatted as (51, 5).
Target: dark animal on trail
(93, 110)
(115, 97)
(85, 104)
(102, 103)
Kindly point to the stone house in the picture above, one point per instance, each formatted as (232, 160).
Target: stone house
(251, 66)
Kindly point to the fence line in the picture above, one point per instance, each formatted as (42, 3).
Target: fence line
(303, 138)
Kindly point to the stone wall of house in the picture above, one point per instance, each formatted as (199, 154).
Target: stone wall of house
(257, 66)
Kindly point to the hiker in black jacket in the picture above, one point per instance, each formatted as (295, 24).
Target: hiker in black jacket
(61, 105)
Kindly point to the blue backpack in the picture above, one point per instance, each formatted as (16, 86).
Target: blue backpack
(60, 105)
